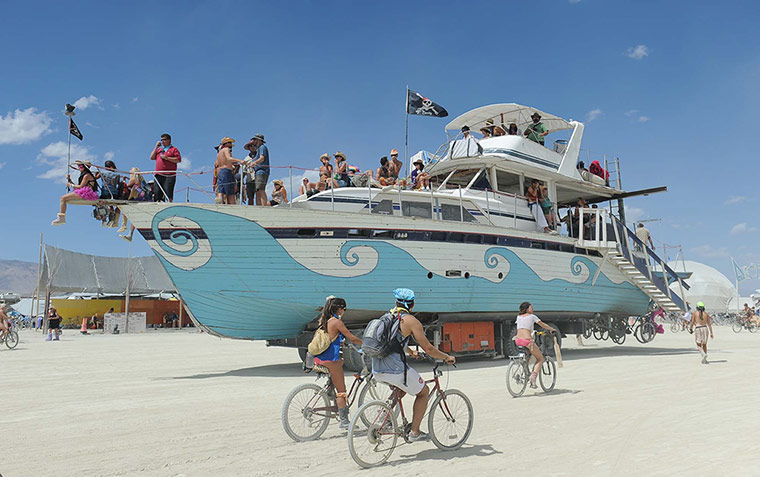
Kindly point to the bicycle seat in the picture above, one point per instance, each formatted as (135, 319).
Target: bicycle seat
(321, 370)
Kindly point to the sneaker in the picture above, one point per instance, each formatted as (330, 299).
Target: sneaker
(704, 360)
(533, 377)
(128, 238)
(61, 220)
(421, 437)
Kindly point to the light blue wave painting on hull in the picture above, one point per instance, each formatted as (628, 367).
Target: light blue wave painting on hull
(250, 287)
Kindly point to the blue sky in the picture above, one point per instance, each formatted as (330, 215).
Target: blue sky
(669, 87)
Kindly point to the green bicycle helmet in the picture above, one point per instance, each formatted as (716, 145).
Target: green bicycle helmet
(700, 306)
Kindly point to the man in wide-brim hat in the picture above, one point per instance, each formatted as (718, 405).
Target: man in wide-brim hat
(225, 179)
(536, 132)
(261, 171)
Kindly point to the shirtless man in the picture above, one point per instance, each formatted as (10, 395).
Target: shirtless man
(225, 181)
(700, 323)
(3, 318)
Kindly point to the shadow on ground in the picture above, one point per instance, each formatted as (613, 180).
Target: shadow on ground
(267, 371)
(485, 450)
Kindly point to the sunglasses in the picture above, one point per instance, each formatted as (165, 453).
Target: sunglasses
(394, 155)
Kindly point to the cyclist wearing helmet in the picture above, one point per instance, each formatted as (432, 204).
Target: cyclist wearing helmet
(393, 370)
(330, 321)
(525, 321)
(701, 319)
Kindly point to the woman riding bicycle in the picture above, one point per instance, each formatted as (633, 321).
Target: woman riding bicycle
(525, 321)
(330, 321)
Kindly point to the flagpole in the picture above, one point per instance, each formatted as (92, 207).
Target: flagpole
(68, 162)
(406, 129)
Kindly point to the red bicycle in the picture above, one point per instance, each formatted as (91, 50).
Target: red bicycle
(374, 430)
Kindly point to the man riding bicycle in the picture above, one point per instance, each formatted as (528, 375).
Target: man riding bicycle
(393, 369)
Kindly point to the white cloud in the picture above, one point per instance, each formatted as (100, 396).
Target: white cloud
(2, 164)
(637, 52)
(742, 228)
(185, 164)
(643, 119)
(108, 155)
(135, 99)
(116, 106)
(593, 114)
(634, 113)
(88, 123)
(86, 101)
(634, 214)
(737, 199)
(24, 126)
(707, 251)
(631, 112)
(53, 158)
(574, 2)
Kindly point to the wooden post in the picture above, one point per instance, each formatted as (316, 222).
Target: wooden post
(36, 302)
(47, 307)
(180, 312)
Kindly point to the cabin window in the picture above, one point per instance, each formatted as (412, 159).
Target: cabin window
(456, 237)
(384, 207)
(306, 232)
(438, 236)
(566, 248)
(490, 239)
(473, 238)
(539, 245)
(461, 178)
(382, 234)
(416, 209)
(552, 246)
(508, 183)
(452, 212)
(358, 233)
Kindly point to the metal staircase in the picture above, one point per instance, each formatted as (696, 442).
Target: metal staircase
(640, 264)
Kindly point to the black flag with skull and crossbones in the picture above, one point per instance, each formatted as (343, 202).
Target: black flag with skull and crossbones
(418, 104)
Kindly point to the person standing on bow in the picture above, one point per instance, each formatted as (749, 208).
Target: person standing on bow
(225, 181)
(167, 157)
(260, 169)
(536, 132)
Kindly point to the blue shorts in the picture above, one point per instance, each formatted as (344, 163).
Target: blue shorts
(225, 182)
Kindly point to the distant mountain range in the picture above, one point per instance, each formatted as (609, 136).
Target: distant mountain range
(18, 277)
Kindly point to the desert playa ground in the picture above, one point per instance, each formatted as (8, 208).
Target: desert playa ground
(184, 403)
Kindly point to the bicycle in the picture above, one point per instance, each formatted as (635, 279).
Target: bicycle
(519, 369)
(11, 337)
(643, 329)
(374, 429)
(744, 323)
(308, 408)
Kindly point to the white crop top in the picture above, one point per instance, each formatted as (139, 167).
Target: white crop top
(526, 322)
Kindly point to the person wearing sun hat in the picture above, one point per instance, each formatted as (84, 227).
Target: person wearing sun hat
(260, 167)
(536, 131)
(86, 188)
(225, 180)
(341, 170)
(279, 194)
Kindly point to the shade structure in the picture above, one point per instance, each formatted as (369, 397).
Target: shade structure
(65, 271)
(707, 285)
(510, 113)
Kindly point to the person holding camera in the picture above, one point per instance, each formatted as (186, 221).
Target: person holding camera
(167, 157)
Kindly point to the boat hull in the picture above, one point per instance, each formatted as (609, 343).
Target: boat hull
(253, 273)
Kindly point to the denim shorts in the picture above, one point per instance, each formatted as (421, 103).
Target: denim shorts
(225, 182)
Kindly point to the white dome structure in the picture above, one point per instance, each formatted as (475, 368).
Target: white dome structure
(707, 285)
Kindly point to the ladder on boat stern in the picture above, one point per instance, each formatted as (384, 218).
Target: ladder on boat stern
(620, 246)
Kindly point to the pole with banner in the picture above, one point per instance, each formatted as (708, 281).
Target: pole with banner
(421, 106)
(73, 131)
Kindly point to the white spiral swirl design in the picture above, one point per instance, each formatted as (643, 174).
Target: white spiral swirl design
(182, 249)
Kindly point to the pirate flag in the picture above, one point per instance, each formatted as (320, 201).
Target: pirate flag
(418, 104)
(74, 130)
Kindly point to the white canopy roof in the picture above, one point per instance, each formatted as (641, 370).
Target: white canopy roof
(512, 113)
(707, 285)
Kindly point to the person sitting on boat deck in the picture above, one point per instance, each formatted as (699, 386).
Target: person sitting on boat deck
(582, 170)
(536, 132)
(485, 132)
(420, 178)
(395, 166)
(307, 188)
(110, 190)
(330, 320)
(524, 337)
(279, 194)
(86, 188)
(167, 157)
(341, 170)
(494, 129)
(225, 182)
(597, 169)
(326, 172)
(384, 173)
(532, 194)
(513, 131)
(546, 206)
(643, 234)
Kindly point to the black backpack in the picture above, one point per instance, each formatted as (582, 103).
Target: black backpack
(381, 337)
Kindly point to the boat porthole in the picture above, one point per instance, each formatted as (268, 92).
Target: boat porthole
(430, 274)
(501, 275)
(467, 274)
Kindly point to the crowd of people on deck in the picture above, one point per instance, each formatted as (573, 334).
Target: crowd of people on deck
(252, 173)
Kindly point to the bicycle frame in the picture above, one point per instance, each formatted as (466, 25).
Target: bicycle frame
(352, 393)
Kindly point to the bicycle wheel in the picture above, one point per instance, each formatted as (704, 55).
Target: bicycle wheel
(300, 419)
(371, 391)
(373, 443)
(619, 339)
(737, 327)
(587, 330)
(647, 332)
(752, 327)
(450, 420)
(11, 339)
(547, 377)
(597, 334)
(605, 335)
(517, 378)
